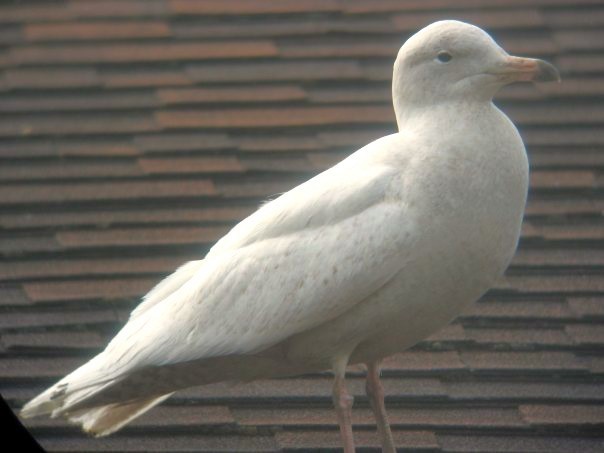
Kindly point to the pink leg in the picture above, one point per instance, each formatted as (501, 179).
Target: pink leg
(375, 393)
(342, 402)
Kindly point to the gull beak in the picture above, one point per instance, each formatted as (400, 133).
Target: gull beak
(518, 69)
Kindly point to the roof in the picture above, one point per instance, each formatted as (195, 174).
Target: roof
(133, 134)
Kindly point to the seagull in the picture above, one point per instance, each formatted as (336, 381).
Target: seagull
(358, 263)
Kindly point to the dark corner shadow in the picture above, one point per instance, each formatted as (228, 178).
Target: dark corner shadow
(17, 436)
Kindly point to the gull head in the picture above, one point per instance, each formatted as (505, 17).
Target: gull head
(451, 60)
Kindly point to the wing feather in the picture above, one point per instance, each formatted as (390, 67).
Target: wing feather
(299, 261)
(167, 286)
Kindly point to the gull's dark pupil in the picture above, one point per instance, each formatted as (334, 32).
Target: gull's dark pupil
(444, 57)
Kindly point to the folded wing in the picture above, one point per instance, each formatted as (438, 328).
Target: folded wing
(298, 262)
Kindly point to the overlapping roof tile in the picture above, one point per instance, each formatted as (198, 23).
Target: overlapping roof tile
(134, 133)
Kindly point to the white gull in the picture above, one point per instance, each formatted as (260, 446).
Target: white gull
(360, 262)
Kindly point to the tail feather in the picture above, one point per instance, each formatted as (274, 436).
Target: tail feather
(75, 400)
(104, 420)
(74, 388)
(84, 396)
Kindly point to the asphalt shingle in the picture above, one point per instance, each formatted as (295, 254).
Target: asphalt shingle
(134, 133)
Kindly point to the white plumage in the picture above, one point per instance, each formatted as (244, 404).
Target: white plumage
(359, 262)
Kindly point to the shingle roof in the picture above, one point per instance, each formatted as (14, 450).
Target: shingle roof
(134, 133)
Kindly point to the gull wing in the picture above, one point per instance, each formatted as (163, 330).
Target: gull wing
(299, 261)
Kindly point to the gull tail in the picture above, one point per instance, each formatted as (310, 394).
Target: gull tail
(79, 398)
(88, 397)
(104, 420)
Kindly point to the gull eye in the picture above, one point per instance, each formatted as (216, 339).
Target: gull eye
(444, 57)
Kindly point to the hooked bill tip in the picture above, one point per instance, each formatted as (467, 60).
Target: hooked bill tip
(546, 72)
